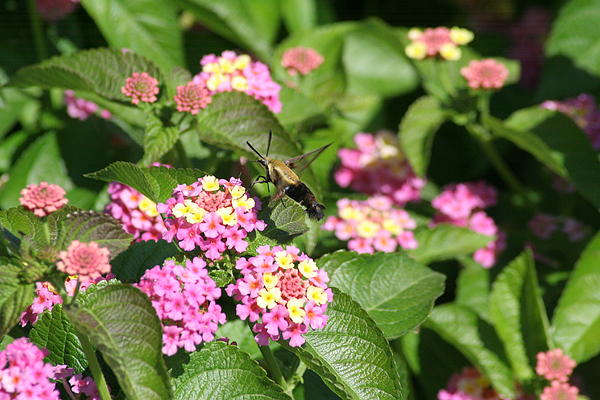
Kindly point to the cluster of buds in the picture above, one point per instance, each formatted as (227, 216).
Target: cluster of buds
(283, 293)
(43, 199)
(230, 71)
(544, 226)
(485, 74)
(556, 367)
(372, 225)
(213, 214)
(87, 261)
(441, 41)
(470, 384)
(141, 87)
(185, 301)
(301, 60)
(584, 112)
(462, 204)
(378, 166)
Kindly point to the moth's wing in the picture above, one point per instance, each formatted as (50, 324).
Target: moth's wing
(302, 162)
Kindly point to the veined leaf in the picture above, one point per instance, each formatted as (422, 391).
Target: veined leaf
(15, 296)
(130, 265)
(473, 287)
(158, 139)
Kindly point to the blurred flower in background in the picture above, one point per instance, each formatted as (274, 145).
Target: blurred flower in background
(54, 10)
(584, 111)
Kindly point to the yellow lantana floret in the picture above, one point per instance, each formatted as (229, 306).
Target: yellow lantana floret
(214, 81)
(416, 50)
(450, 52)
(414, 33)
(148, 206)
(242, 61)
(308, 268)
(316, 294)
(367, 229)
(212, 68)
(392, 227)
(239, 83)
(296, 310)
(284, 259)
(247, 202)
(226, 65)
(228, 216)
(237, 191)
(268, 298)
(350, 213)
(270, 280)
(180, 210)
(210, 183)
(461, 36)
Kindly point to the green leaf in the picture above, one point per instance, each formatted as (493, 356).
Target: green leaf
(15, 296)
(101, 71)
(476, 340)
(445, 241)
(237, 331)
(571, 145)
(572, 35)
(130, 265)
(576, 320)
(417, 130)
(299, 15)
(375, 63)
(54, 332)
(156, 183)
(351, 354)
(9, 147)
(148, 27)
(158, 139)
(519, 316)
(396, 291)
(473, 287)
(221, 372)
(40, 162)
(120, 322)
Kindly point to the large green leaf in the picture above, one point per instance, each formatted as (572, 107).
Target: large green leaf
(417, 130)
(148, 27)
(569, 144)
(519, 316)
(40, 162)
(158, 139)
(473, 287)
(54, 332)
(299, 15)
(396, 291)
(156, 183)
(221, 372)
(351, 354)
(446, 241)
(476, 340)
(121, 323)
(375, 63)
(573, 34)
(130, 265)
(576, 320)
(101, 71)
(15, 295)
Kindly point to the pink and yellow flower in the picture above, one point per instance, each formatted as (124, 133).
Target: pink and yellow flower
(441, 41)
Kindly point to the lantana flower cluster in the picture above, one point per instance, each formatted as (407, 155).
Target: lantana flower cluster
(441, 41)
(485, 74)
(137, 213)
(283, 292)
(462, 204)
(585, 113)
(544, 226)
(77, 383)
(378, 166)
(372, 225)
(86, 260)
(301, 60)
(184, 298)
(212, 214)
(43, 199)
(82, 109)
(470, 384)
(24, 374)
(231, 71)
(141, 87)
(556, 367)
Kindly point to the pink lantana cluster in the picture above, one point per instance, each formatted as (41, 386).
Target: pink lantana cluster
(213, 214)
(24, 374)
(231, 71)
(137, 213)
(585, 113)
(77, 383)
(544, 226)
(283, 292)
(462, 204)
(378, 166)
(86, 260)
(184, 298)
(301, 60)
(53, 10)
(485, 74)
(81, 109)
(372, 225)
(192, 97)
(437, 41)
(556, 367)
(470, 384)
(43, 199)
(141, 87)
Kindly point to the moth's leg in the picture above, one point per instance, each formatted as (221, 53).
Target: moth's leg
(257, 180)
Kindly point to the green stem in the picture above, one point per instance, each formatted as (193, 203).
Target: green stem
(36, 30)
(296, 378)
(272, 366)
(182, 155)
(94, 366)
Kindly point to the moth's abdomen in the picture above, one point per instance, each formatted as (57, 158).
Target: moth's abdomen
(302, 194)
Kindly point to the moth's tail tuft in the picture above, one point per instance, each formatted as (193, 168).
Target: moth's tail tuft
(315, 211)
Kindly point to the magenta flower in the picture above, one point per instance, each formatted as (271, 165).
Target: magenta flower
(82, 109)
(470, 384)
(212, 214)
(54, 10)
(485, 74)
(141, 87)
(559, 391)
(192, 97)
(233, 72)
(584, 112)
(43, 199)
(554, 365)
(372, 225)
(24, 374)
(184, 299)
(301, 60)
(543, 225)
(86, 260)
(378, 166)
(284, 299)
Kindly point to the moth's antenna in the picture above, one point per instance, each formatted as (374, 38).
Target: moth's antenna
(254, 150)
(269, 143)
